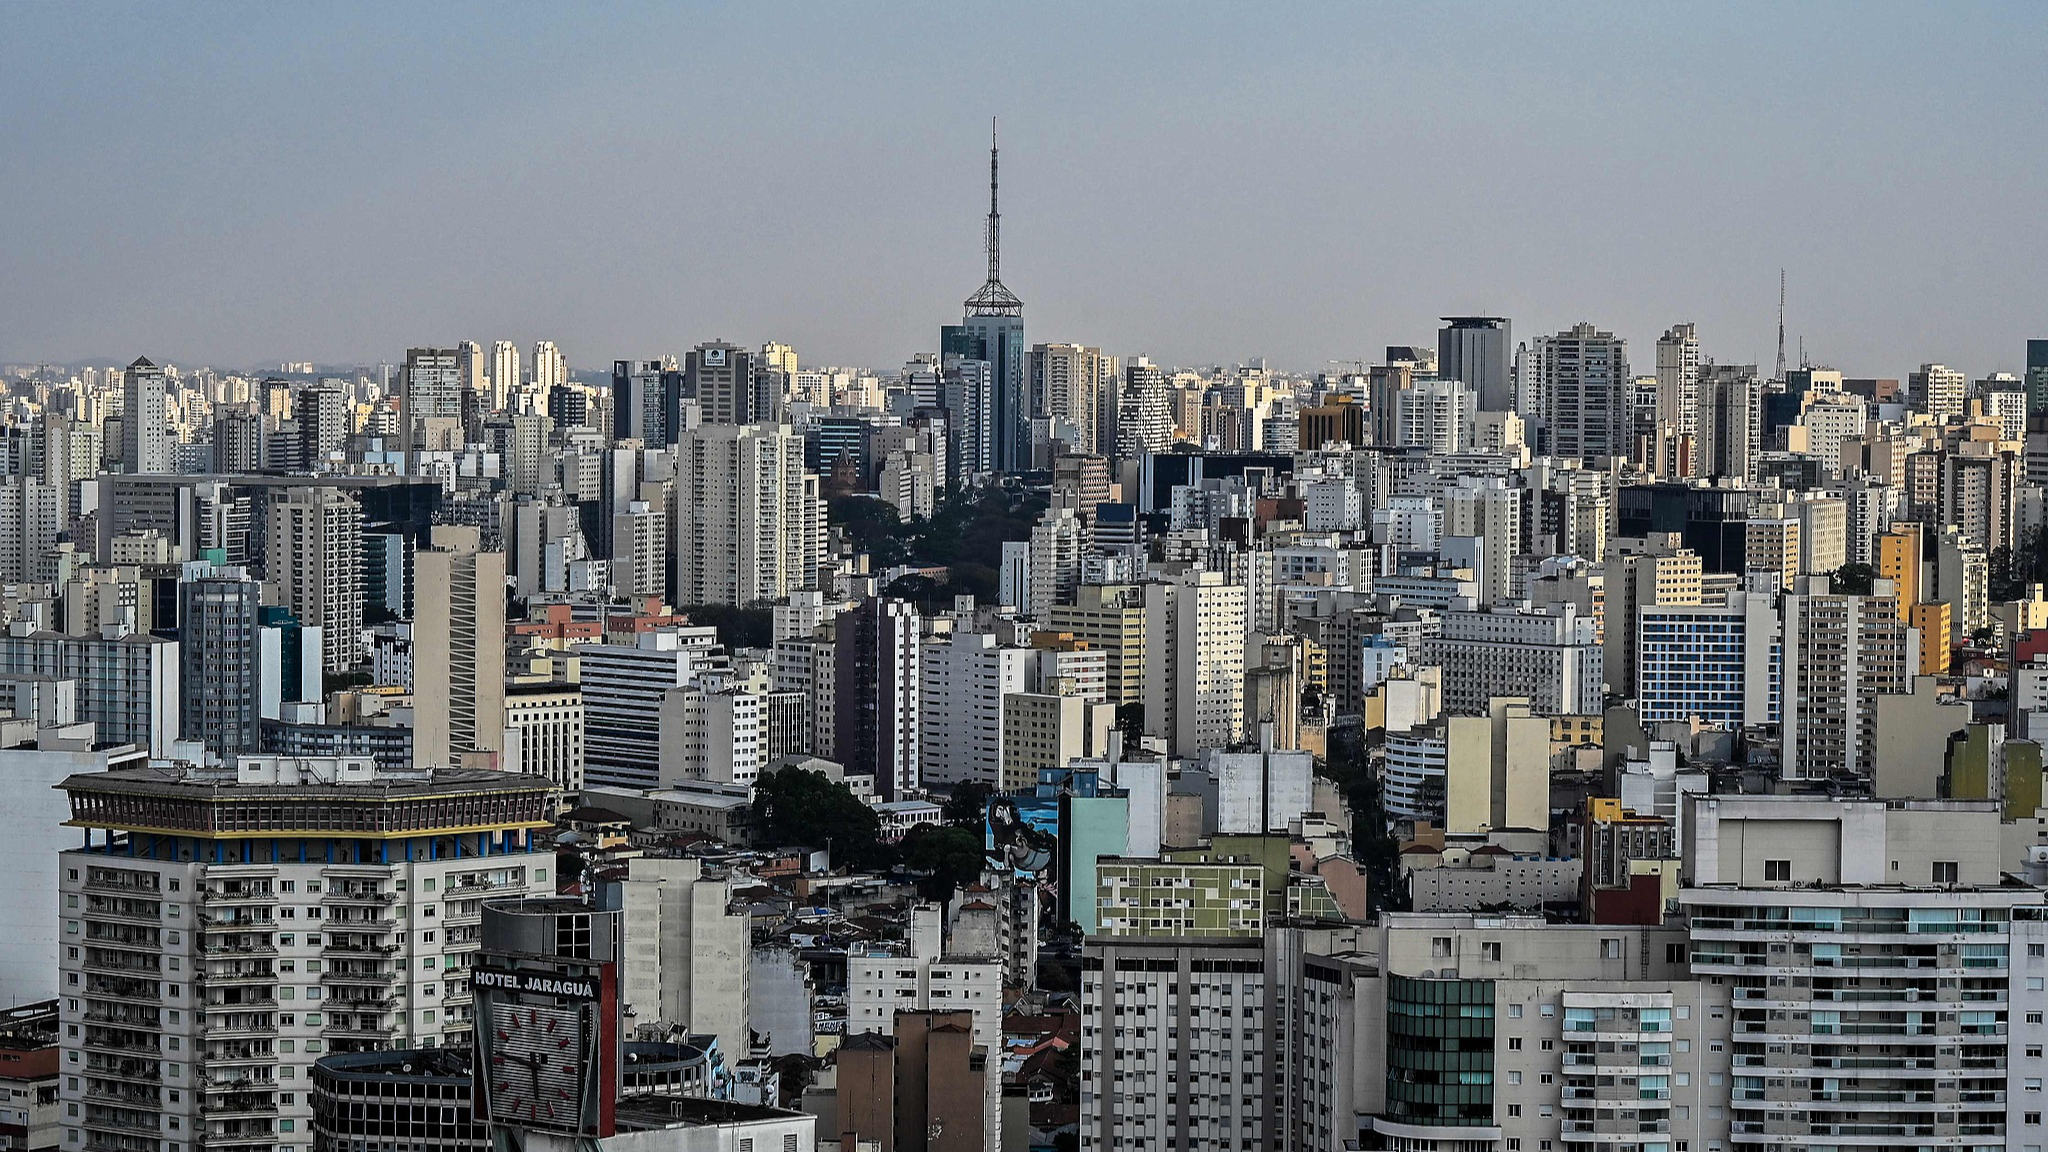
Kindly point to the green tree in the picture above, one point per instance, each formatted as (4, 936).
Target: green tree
(967, 807)
(737, 627)
(1853, 579)
(798, 807)
(949, 858)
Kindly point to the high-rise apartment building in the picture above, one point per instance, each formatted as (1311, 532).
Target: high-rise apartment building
(1194, 661)
(549, 368)
(322, 415)
(316, 559)
(748, 524)
(474, 368)
(1071, 384)
(1435, 415)
(145, 419)
(458, 636)
(220, 659)
(1479, 350)
(1938, 390)
(505, 377)
(877, 685)
(1730, 408)
(222, 935)
(646, 401)
(1678, 383)
(966, 677)
(1583, 379)
(640, 550)
(2037, 376)
(1144, 412)
(1841, 653)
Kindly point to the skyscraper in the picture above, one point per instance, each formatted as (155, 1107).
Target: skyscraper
(504, 373)
(1145, 412)
(2037, 376)
(323, 425)
(218, 640)
(992, 330)
(458, 636)
(877, 682)
(746, 516)
(145, 421)
(721, 378)
(1583, 380)
(1728, 420)
(316, 560)
(430, 388)
(1678, 379)
(1480, 351)
(645, 394)
(476, 371)
(1938, 390)
(1070, 384)
(549, 369)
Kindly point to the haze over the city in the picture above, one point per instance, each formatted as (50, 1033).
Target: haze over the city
(241, 185)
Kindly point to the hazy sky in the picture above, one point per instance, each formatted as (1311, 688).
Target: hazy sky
(242, 184)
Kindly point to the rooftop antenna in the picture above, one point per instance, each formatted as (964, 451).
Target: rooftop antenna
(992, 299)
(1781, 324)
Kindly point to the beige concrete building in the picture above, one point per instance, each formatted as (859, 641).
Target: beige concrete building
(458, 636)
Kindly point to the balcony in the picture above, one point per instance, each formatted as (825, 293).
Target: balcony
(123, 912)
(139, 1123)
(346, 1032)
(356, 948)
(362, 1003)
(361, 924)
(122, 1095)
(142, 966)
(347, 895)
(237, 895)
(237, 923)
(233, 1028)
(236, 975)
(238, 948)
(123, 1067)
(239, 1104)
(139, 885)
(118, 988)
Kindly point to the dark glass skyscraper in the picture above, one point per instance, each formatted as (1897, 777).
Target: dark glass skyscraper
(218, 657)
(1480, 351)
(992, 330)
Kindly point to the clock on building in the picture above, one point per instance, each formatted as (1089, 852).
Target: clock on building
(537, 1064)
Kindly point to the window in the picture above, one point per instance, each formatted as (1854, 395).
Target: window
(1514, 1077)
(1674, 954)
(1946, 872)
(2033, 1051)
(1439, 947)
(2033, 1117)
(1610, 948)
(1514, 1011)
(2033, 1017)
(1490, 950)
(1514, 1110)
(2037, 949)
(1778, 871)
(1514, 1043)
(1546, 1011)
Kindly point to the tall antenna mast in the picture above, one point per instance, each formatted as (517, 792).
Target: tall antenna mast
(992, 299)
(995, 218)
(1781, 324)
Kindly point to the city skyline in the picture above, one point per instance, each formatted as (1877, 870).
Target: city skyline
(1206, 192)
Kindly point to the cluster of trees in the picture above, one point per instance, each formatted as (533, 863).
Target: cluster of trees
(799, 807)
(965, 534)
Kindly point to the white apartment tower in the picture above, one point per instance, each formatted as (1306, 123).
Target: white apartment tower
(145, 421)
(1194, 651)
(220, 936)
(1678, 379)
(316, 560)
(549, 369)
(746, 519)
(504, 373)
